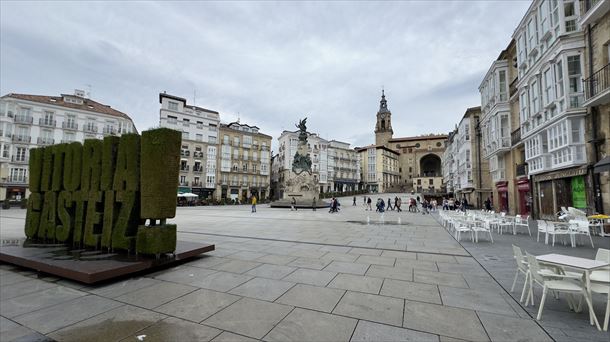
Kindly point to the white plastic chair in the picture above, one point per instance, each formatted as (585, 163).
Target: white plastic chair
(520, 222)
(483, 227)
(600, 283)
(558, 229)
(521, 268)
(505, 222)
(462, 226)
(542, 228)
(565, 285)
(581, 227)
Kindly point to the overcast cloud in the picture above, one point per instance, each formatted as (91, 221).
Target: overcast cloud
(272, 63)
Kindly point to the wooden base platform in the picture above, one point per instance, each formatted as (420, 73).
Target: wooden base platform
(88, 266)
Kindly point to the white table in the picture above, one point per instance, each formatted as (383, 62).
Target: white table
(587, 265)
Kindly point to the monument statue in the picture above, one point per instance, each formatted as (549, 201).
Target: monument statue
(302, 162)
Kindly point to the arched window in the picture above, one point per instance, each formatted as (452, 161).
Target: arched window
(382, 124)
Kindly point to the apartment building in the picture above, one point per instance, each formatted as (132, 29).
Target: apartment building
(379, 167)
(448, 162)
(595, 23)
(317, 149)
(343, 167)
(29, 121)
(199, 151)
(501, 135)
(245, 162)
(550, 64)
(467, 172)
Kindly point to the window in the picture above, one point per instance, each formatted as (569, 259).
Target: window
(575, 81)
(467, 132)
(185, 135)
(18, 175)
(245, 167)
(69, 137)
(225, 139)
(570, 16)
(548, 86)
(235, 141)
(199, 137)
(532, 34)
(235, 168)
(48, 119)
(235, 153)
(172, 105)
(247, 141)
(211, 139)
(20, 154)
(5, 151)
(502, 85)
(524, 108)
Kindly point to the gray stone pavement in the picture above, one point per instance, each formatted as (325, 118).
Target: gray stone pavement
(278, 275)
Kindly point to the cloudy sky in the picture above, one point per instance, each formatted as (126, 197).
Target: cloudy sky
(271, 62)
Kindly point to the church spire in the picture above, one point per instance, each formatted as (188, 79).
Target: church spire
(383, 128)
(383, 104)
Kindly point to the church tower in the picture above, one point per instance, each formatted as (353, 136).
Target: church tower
(383, 128)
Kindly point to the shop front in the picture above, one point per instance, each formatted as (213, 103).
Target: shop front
(524, 196)
(566, 188)
(502, 190)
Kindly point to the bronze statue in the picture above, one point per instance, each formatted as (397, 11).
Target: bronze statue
(302, 161)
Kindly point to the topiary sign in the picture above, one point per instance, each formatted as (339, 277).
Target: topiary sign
(101, 193)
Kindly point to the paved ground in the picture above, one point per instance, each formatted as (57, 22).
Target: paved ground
(279, 275)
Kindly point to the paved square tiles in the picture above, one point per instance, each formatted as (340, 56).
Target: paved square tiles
(444, 320)
(175, 329)
(478, 300)
(374, 332)
(306, 325)
(38, 300)
(371, 307)
(250, 317)
(271, 271)
(155, 295)
(261, 288)
(410, 290)
(357, 283)
(199, 305)
(311, 277)
(223, 281)
(347, 267)
(399, 273)
(312, 297)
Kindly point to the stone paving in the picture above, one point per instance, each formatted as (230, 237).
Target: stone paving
(278, 275)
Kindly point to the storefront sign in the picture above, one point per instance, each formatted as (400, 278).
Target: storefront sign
(561, 174)
(579, 197)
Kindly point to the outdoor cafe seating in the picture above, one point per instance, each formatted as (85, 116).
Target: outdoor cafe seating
(557, 274)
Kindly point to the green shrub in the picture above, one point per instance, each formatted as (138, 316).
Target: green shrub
(156, 239)
(127, 173)
(48, 219)
(32, 217)
(93, 232)
(92, 165)
(59, 152)
(110, 147)
(35, 169)
(127, 220)
(159, 147)
(80, 198)
(47, 169)
(63, 231)
(73, 164)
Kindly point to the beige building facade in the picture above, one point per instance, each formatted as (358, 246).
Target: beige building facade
(595, 23)
(419, 159)
(244, 162)
(380, 168)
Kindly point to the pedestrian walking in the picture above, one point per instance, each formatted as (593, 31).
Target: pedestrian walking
(368, 204)
(354, 201)
(397, 204)
(253, 204)
(390, 204)
(313, 204)
(488, 204)
(293, 204)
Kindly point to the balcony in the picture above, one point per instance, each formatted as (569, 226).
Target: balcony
(597, 87)
(90, 128)
(24, 119)
(19, 159)
(22, 138)
(47, 123)
(521, 170)
(45, 141)
(184, 168)
(69, 125)
(17, 180)
(109, 130)
(594, 11)
(197, 184)
(185, 183)
(515, 137)
(197, 169)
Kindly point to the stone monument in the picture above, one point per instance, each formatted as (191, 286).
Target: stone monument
(301, 183)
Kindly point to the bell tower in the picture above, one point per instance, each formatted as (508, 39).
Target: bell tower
(383, 128)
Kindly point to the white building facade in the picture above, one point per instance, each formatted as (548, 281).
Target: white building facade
(343, 167)
(317, 149)
(29, 121)
(198, 155)
(550, 62)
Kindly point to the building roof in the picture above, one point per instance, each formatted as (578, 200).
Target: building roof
(183, 100)
(421, 137)
(230, 126)
(363, 148)
(87, 105)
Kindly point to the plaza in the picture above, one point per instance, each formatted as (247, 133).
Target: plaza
(281, 275)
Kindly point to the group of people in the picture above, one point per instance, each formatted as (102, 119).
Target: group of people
(456, 204)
